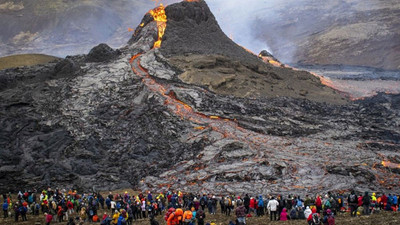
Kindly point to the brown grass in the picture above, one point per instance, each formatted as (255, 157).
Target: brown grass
(24, 60)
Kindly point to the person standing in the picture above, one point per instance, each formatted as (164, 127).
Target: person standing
(241, 213)
(200, 216)
(318, 204)
(246, 200)
(353, 203)
(5, 209)
(260, 208)
(366, 201)
(273, 208)
(48, 218)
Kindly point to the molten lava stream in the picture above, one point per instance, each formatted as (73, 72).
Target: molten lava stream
(160, 17)
(228, 128)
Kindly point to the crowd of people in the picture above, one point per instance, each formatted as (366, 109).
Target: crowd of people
(188, 208)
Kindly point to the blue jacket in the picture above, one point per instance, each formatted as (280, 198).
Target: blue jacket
(260, 202)
(5, 206)
(395, 200)
(121, 220)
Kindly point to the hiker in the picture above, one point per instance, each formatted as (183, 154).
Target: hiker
(187, 216)
(314, 218)
(5, 209)
(200, 216)
(329, 219)
(260, 206)
(115, 217)
(241, 213)
(48, 218)
(283, 216)
(366, 201)
(16, 211)
(246, 202)
(353, 203)
(307, 212)
(318, 204)
(273, 207)
(176, 217)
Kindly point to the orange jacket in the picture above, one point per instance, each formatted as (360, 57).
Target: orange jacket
(187, 215)
(175, 217)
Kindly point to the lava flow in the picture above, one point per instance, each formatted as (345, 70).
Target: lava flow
(390, 165)
(228, 128)
(160, 17)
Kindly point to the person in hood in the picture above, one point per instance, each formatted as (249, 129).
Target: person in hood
(318, 203)
(260, 204)
(329, 219)
(310, 217)
(48, 218)
(307, 212)
(284, 215)
(241, 213)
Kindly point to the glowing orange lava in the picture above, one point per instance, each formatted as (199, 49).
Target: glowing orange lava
(160, 17)
(390, 165)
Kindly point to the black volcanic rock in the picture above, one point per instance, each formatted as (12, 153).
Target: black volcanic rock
(192, 28)
(66, 67)
(102, 53)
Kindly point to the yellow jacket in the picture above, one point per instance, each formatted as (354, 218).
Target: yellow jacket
(115, 218)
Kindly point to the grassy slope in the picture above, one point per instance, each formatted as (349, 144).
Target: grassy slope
(24, 60)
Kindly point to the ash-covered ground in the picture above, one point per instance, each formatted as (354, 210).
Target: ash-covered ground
(198, 114)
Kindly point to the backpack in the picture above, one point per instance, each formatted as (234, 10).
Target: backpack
(331, 220)
(202, 201)
(315, 219)
(226, 203)
(189, 216)
(353, 198)
(170, 210)
(106, 221)
(327, 204)
(123, 221)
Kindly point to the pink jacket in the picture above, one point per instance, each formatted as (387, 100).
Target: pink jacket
(49, 218)
(283, 215)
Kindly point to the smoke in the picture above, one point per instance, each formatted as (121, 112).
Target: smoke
(286, 28)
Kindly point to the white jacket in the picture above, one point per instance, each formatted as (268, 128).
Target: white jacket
(307, 212)
(273, 205)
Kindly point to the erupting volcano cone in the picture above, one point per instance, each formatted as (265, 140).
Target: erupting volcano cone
(194, 43)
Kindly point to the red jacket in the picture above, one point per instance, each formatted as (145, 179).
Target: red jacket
(253, 203)
(314, 210)
(318, 202)
(49, 218)
(384, 199)
(70, 205)
(360, 200)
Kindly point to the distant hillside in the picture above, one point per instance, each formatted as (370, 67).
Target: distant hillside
(24, 60)
(351, 32)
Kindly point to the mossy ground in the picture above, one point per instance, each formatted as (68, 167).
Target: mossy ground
(24, 60)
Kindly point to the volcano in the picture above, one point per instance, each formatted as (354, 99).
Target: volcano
(187, 108)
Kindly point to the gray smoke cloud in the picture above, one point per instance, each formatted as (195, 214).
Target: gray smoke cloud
(286, 28)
